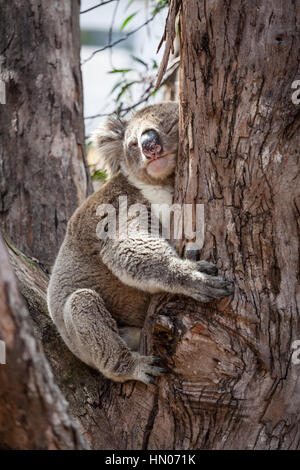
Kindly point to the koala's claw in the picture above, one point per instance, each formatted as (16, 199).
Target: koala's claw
(148, 370)
(217, 295)
(148, 379)
(158, 360)
(207, 267)
(212, 287)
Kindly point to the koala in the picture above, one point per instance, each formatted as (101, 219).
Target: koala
(100, 289)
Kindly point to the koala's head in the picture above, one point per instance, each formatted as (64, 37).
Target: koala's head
(145, 146)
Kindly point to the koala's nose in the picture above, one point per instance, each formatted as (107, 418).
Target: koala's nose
(151, 145)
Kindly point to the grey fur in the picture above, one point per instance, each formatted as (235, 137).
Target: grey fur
(109, 140)
(99, 290)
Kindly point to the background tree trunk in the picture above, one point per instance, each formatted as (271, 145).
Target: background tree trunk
(232, 383)
(33, 412)
(43, 175)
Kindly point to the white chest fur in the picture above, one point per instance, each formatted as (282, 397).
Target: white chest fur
(160, 198)
(154, 194)
(157, 194)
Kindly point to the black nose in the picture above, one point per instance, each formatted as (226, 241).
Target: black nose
(151, 144)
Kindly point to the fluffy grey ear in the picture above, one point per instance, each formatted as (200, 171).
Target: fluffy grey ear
(108, 139)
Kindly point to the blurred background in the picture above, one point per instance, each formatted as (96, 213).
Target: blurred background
(118, 77)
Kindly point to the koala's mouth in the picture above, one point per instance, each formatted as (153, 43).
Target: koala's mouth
(156, 157)
(158, 161)
(159, 164)
(154, 153)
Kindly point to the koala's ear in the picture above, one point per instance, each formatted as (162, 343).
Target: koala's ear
(108, 139)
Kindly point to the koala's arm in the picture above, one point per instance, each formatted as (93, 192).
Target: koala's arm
(152, 265)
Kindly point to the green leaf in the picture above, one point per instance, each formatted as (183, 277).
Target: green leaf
(124, 88)
(117, 86)
(140, 61)
(119, 71)
(160, 4)
(154, 64)
(129, 18)
(100, 175)
(119, 109)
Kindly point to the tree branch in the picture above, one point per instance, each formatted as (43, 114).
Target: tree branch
(108, 46)
(168, 36)
(97, 6)
(33, 412)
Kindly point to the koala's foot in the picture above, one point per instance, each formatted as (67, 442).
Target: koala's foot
(198, 280)
(206, 288)
(92, 334)
(147, 368)
(141, 368)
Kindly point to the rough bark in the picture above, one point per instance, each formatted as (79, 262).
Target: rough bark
(240, 158)
(43, 175)
(33, 412)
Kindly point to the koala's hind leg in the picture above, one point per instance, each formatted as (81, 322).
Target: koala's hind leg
(93, 336)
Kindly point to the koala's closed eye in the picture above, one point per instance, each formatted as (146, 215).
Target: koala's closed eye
(174, 124)
(133, 143)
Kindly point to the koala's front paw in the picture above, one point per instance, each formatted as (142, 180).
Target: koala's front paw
(148, 367)
(209, 288)
(207, 267)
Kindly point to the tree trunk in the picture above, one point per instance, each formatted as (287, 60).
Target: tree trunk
(33, 413)
(43, 175)
(239, 157)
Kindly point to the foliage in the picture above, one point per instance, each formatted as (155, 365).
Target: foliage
(143, 75)
(100, 175)
(139, 79)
